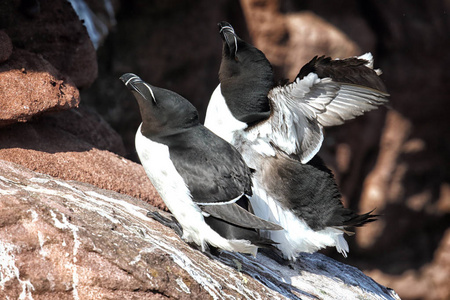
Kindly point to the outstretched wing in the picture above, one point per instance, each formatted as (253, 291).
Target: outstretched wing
(325, 93)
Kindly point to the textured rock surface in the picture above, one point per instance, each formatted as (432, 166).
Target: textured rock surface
(30, 86)
(74, 145)
(52, 29)
(5, 46)
(61, 240)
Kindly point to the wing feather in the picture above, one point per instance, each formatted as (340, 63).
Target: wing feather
(237, 215)
(302, 108)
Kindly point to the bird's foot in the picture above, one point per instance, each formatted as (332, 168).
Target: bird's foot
(171, 223)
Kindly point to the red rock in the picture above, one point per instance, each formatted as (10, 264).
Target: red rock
(88, 126)
(5, 46)
(67, 150)
(55, 32)
(30, 86)
(68, 240)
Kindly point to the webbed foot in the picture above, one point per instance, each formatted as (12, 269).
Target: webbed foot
(171, 223)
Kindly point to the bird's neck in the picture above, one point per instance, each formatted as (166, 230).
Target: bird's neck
(219, 118)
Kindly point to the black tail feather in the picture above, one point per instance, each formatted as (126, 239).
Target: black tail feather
(360, 220)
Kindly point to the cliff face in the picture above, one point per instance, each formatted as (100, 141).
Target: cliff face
(64, 239)
(394, 159)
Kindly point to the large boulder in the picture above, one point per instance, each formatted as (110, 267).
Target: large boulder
(45, 55)
(31, 86)
(64, 239)
(53, 30)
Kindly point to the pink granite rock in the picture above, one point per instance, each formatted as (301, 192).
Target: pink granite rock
(30, 86)
(67, 240)
(53, 30)
(74, 145)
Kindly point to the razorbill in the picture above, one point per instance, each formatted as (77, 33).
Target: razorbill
(201, 178)
(279, 130)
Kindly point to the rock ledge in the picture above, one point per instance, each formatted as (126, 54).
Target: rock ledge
(65, 239)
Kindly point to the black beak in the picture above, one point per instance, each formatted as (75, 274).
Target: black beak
(229, 36)
(129, 78)
(136, 84)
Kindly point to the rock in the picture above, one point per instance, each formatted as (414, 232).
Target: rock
(31, 86)
(68, 145)
(62, 240)
(5, 46)
(54, 31)
(88, 126)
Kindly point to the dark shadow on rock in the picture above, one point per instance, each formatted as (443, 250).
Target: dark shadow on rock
(76, 130)
(56, 33)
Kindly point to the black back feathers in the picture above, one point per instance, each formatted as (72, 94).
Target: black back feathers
(350, 70)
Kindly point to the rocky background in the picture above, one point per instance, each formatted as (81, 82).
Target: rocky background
(63, 111)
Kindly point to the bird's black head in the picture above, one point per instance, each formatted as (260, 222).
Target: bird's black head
(246, 77)
(163, 112)
(230, 39)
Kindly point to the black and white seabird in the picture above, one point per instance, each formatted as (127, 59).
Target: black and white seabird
(200, 177)
(279, 130)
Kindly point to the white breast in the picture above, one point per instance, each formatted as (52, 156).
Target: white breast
(167, 181)
(219, 118)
